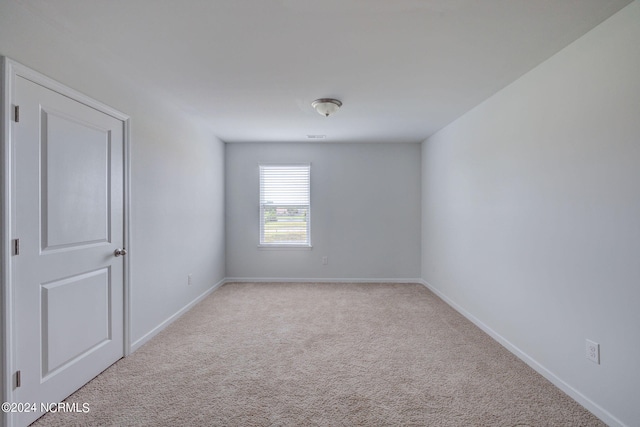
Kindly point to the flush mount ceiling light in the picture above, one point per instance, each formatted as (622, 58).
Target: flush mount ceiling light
(326, 106)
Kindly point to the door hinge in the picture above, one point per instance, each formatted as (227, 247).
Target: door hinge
(18, 379)
(16, 113)
(16, 246)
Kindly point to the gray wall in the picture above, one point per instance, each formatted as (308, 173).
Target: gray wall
(531, 215)
(365, 211)
(177, 169)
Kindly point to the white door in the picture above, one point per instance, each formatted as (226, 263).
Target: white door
(67, 198)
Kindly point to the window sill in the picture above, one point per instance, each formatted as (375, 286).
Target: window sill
(277, 247)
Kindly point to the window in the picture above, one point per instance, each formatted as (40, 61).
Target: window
(285, 205)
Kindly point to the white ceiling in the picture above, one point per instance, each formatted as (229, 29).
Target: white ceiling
(250, 68)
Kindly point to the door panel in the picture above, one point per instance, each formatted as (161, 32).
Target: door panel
(68, 212)
(75, 166)
(87, 324)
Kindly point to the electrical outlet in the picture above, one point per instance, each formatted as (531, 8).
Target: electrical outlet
(325, 260)
(593, 351)
(189, 279)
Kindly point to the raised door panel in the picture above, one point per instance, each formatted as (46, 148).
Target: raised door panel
(75, 182)
(71, 331)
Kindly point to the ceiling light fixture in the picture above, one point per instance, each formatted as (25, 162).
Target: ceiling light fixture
(326, 106)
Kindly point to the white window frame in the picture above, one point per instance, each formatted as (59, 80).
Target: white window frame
(283, 245)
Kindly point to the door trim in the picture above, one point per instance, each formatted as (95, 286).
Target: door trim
(10, 70)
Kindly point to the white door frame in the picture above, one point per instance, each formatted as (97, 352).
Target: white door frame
(10, 70)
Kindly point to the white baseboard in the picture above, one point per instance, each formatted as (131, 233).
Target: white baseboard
(141, 341)
(321, 280)
(590, 405)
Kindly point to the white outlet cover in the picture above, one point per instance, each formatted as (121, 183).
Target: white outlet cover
(593, 351)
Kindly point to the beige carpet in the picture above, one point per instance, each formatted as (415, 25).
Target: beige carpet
(289, 354)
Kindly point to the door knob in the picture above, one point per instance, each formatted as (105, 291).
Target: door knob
(119, 252)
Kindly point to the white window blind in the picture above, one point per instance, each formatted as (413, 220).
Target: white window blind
(285, 205)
